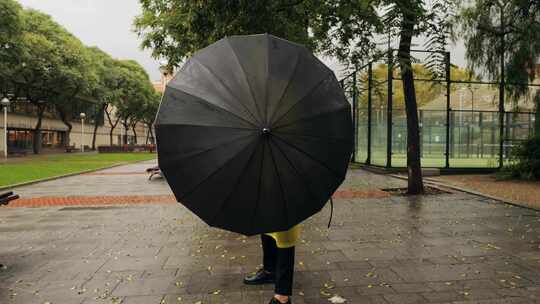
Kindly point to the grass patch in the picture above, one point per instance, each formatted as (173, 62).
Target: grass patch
(32, 168)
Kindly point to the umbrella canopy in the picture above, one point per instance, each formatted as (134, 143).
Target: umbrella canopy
(254, 134)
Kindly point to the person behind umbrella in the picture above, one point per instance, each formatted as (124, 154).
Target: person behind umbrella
(255, 125)
(278, 263)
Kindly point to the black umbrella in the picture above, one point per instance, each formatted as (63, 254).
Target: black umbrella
(254, 134)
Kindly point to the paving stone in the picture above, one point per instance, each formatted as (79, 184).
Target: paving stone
(410, 287)
(451, 249)
(143, 300)
(141, 287)
(405, 298)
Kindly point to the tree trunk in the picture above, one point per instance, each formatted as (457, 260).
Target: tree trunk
(66, 122)
(36, 141)
(153, 140)
(537, 117)
(134, 132)
(126, 128)
(96, 125)
(415, 182)
(113, 125)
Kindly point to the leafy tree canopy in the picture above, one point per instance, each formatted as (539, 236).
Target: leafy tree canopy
(10, 31)
(507, 33)
(175, 29)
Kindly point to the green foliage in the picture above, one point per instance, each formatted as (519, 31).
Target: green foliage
(150, 108)
(10, 36)
(524, 161)
(426, 92)
(507, 33)
(175, 29)
(347, 30)
(10, 22)
(44, 63)
(136, 89)
(493, 28)
(357, 31)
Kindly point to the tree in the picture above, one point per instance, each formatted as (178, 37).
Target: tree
(350, 30)
(149, 114)
(107, 87)
(134, 89)
(175, 29)
(40, 62)
(502, 40)
(75, 78)
(10, 35)
(425, 91)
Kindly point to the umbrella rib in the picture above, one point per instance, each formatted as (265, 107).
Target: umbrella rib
(302, 99)
(201, 100)
(308, 155)
(336, 139)
(214, 173)
(345, 107)
(226, 88)
(258, 189)
(286, 88)
(205, 126)
(234, 188)
(285, 207)
(245, 76)
(193, 154)
(304, 181)
(265, 114)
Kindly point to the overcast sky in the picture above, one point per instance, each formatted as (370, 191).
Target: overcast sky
(103, 23)
(108, 24)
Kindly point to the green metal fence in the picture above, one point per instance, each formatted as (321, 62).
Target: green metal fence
(463, 124)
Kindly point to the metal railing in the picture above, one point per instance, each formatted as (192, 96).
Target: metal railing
(463, 124)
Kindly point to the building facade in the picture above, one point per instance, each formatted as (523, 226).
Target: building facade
(54, 133)
(22, 119)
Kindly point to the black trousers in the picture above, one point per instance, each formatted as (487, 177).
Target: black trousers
(279, 261)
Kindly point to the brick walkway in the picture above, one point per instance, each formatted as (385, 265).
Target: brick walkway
(450, 248)
(92, 200)
(148, 199)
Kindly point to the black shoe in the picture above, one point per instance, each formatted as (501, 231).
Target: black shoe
(261, 277)
(275, 301)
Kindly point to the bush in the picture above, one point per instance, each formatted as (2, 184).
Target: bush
(524, 161)
(127, 148)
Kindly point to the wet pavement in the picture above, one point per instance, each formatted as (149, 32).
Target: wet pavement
(450, 248)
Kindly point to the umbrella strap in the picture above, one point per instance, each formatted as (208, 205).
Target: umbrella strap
(331, 212)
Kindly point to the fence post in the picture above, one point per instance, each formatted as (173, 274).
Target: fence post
(421, 131)
(355, 116)
(501, 98)
(448, 92)
(370, 83)
(389, 111)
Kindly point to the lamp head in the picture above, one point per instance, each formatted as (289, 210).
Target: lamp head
(82, 116)
(5, 102)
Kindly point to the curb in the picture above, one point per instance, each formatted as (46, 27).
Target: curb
(432, 182)
(65, 175)
(439, 186)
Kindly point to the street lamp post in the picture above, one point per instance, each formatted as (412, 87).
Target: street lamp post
(5, 104)
(83, 116)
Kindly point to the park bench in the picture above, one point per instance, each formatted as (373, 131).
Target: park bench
(154, 171)
(7, 197)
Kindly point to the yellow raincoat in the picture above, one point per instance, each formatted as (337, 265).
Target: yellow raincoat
(286, 239)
